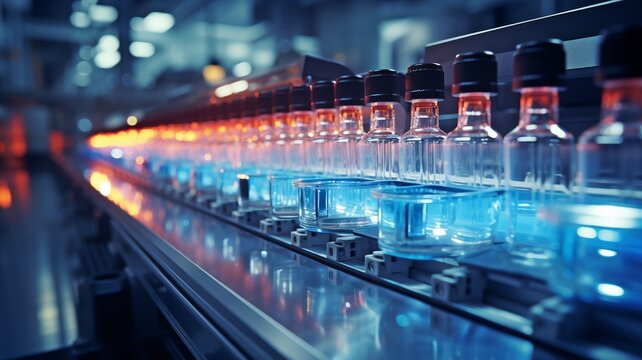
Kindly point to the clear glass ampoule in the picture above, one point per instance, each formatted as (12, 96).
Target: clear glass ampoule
(538, 153)
(378, 148)
(280, 108)
(325, 119)
(265, 128)
(610, 153)
(421, 154)
(473, 148)
(301, 131)
(349, 97)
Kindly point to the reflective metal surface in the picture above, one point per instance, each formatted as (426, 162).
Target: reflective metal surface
(340, 315)
(36, 290)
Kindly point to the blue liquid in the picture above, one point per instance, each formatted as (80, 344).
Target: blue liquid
(427, 222)
(284, 196)
(254, 191)
(600, 254)
(340, 203)
(532, 238)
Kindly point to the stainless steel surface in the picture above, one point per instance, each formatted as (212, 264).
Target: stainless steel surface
(36, 290)
(338, 314)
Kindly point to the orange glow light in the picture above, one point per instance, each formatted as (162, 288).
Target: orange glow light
(5, 196)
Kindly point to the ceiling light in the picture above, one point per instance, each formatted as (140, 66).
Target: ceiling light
(107, 59)
(103, 13)
(79, 19)
(142, 49)
(108, 43)
(158, 22)
(213, 73)
(242, 69)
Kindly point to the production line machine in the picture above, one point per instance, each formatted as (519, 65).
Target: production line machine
(267, 223)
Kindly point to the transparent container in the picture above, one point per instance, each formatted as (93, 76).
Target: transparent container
(320, 147)
(600, 253)
(339, 204)
(204, 180)
(473, 148)
(228, 184)
(433, 221)
(344, 155)
(254, 191)
(421, 150)
(539, 170)
(284, 195)
(378, 148)
(610, 153)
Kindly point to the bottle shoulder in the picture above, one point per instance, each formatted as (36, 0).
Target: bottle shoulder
(552, 133)
(612, 133)
(375, 137)
(484, 134)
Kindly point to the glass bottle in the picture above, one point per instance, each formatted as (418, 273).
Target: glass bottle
(325, 117)
(473, 148)
(421, 155)
(280, 108)
(265, 128)
(378, 148)
(349, 98)
(610, 153)
(539, 154)
(301, 132)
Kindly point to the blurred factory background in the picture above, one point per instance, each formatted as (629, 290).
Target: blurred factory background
(72, 66)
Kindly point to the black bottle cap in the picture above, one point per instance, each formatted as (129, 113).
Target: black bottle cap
(264, 103)
(382, 85)
(323, 94)
(281, 100)
(300, 98)
(475, 72)
(349, 90)
(425, 81)
(234, 108)
(539, 63)
(620, 53)
(248, 104)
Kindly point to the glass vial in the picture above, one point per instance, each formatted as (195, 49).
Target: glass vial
(349, 99)
(265, 129)
(610, 153)
(538, 153)
(300, 135)
(325, 118)
(473, 148)
(421, 155)
(378, 148)
(280, 108)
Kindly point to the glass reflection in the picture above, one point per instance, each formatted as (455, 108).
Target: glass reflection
(342, 316)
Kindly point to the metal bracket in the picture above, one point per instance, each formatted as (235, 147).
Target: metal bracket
(349, 247)
(225, 208)
(381, 264)
(304, 238)
(251, 217)
(275, 226)
(458, 284)
(555, 319)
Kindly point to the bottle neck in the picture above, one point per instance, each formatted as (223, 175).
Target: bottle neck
(325, 121)
(539, 106)
(474, 110)
(424, 114)
(350, 119)
(622, 101)
(382, 117)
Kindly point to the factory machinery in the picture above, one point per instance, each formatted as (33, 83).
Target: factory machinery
(264, 221)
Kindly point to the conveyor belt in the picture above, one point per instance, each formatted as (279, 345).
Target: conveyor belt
(268, 301)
